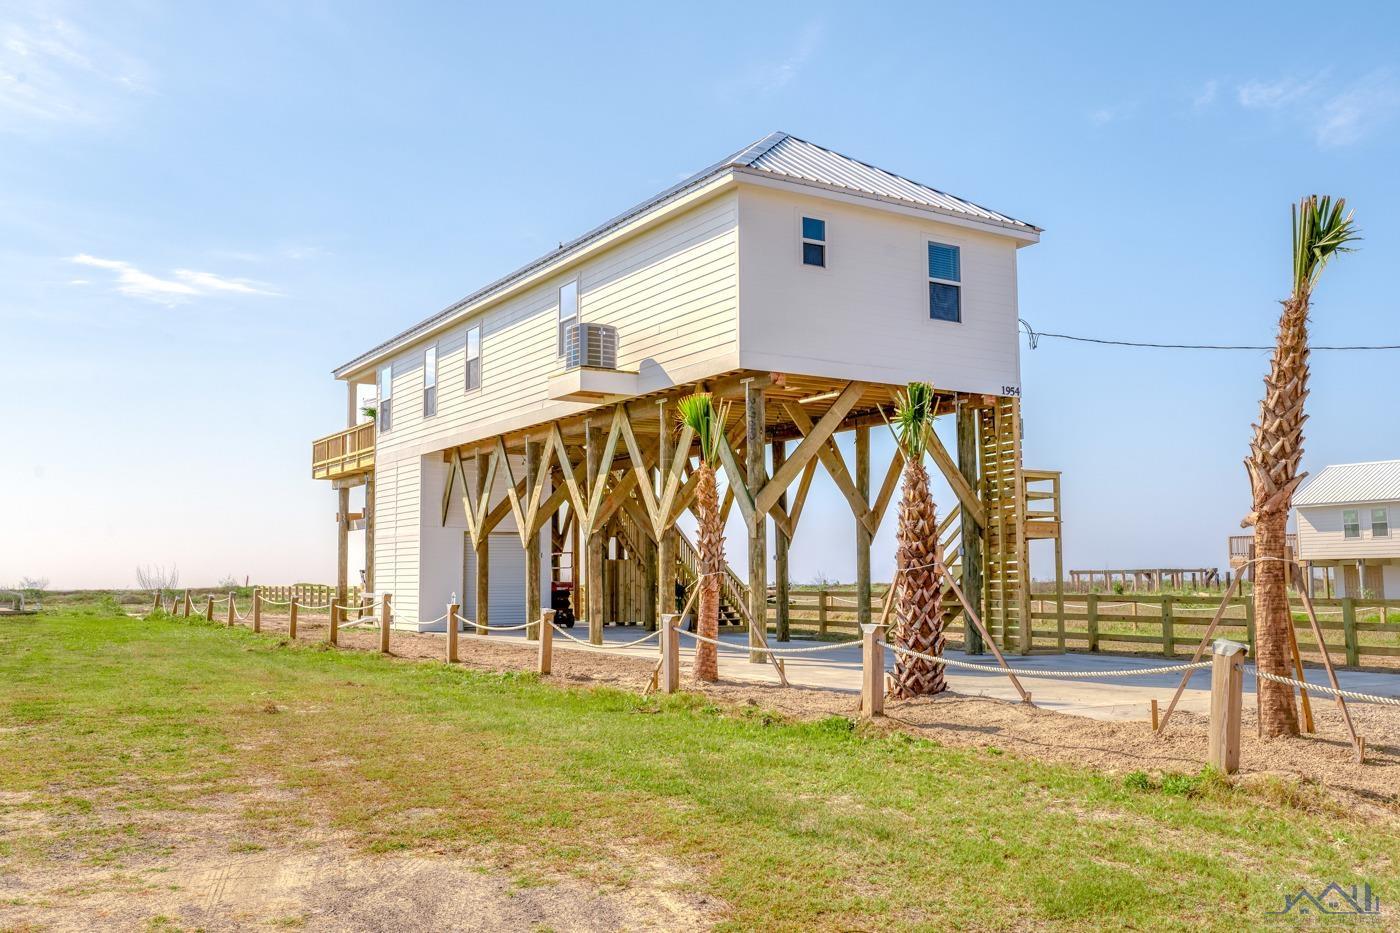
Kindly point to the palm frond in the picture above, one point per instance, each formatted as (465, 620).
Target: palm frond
(913, 414)
(707, 419)
(1322, 228)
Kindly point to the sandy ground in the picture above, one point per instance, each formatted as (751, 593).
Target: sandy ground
(207, 879)
(1324, 760)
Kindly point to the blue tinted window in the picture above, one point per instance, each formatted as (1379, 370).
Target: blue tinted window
(944, 263)
(814, 254)
(944, 302)
(813, 229)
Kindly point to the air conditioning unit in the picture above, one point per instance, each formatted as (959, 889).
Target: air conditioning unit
(591, 345)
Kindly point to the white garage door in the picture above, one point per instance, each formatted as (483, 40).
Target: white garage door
(507, 580)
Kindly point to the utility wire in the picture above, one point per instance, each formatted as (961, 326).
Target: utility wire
(1033, 339)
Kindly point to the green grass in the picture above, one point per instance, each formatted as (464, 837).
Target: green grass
(794, 825)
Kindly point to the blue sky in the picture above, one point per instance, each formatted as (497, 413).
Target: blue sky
(204, 207)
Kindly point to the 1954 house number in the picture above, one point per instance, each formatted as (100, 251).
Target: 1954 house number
(1011, 390)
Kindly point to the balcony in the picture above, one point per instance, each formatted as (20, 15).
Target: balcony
(345, 453)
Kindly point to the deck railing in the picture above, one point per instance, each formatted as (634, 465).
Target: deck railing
(343, 453)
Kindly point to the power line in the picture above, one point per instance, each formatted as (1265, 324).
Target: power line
(1033, 339)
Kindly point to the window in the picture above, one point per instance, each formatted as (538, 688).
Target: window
(813, 242)
(1380, 523)
(568, 310)
(430, 382)
(944, 283)
(386, 391)
(1351, 523)
(474, 358)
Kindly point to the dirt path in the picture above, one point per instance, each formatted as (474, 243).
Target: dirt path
(1322, 762)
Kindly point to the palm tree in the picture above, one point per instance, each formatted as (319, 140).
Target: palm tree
(700, 413)
(1321, 229)
(920, 597)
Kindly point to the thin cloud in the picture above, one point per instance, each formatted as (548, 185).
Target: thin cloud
(183, 284)
(1335, 115)
(1103, 116)
(1206, 95)
(771, 76)
(52, 72)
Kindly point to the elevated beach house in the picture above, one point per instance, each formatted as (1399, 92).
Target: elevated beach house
(1344, 527)
(525, 441)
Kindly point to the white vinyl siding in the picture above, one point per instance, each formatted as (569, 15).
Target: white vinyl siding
(867, 317)
(505, 582)
(672, 294)
(1322, 533)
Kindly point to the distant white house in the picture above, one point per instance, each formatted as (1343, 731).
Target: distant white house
(1345, 517)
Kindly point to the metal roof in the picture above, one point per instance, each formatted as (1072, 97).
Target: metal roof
(785, 155)
(1376, 481)
(779, 155)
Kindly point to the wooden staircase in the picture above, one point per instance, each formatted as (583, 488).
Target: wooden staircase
(1006, 561)
(733, 592)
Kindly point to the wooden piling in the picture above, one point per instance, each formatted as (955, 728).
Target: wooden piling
(292, 620)
(333, 631)
(385, 616)
(230, 616)
(157, 607)
(452, 610)
(257, 609)
(189, 604)
(670, 676)
(1226, 701)
(546, 659)
(209, 610)
(872, 670)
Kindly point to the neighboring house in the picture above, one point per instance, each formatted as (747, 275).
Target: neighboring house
(1346, 518)
(802, 283)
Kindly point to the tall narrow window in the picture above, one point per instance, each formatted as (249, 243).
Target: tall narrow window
(944, 283)
(386, 391)
(1380, 523)
(430, 382)
(568, 310)
(473, 358)
(813, 242)
(1351, 523)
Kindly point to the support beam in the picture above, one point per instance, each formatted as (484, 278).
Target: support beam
(972, 506)
(484, 475)
(780, 552)
(863, 531)
(593, 564)
(342, 547)
(971, 531)
(533, 453)
(369, 533)
(754, 423)
(667, 543)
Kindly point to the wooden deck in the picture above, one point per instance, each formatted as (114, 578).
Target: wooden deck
(344, 453)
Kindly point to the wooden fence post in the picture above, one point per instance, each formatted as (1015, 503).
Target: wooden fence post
(1091, 610)
(230, 610)
(821, 611)
(209, 610)
(157, 607)
(1353, 646)
(292, 620)
(670, 677)
(333, 633)
(1168, 625)
(257, 609)
(452, 610)
(1226, 692)
(189, 604)
(385, 616)
(872, 670)
(547, 641)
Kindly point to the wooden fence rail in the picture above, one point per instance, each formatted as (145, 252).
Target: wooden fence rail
(1357, 631)
(309, 594)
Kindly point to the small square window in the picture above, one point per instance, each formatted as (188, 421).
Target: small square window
(1351, 523)
(814, 254)
(1380, 523)
(944, 302)
(813, 229)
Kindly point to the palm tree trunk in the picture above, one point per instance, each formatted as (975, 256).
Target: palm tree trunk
(1272, 464)
(711, 563)
(920, 597)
